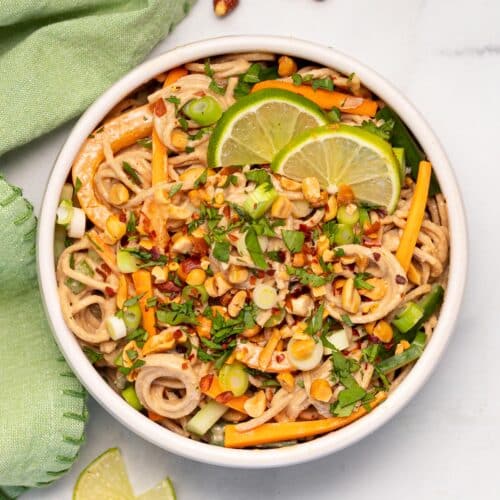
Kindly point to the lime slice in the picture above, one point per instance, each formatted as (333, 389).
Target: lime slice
(343, 154)
(257, 126)
(105, 478)
(162, 491)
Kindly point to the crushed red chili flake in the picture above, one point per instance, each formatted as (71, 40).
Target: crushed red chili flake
(400, 280)
(101, 273)
(168, 287)
(252, 280)
(368, 242)
(224, 397)
(376, 256)
(160, 109)
(177, 334)
(200, 246)
(232, 237)
(185, 366)
(105, 268)
(109, 291)
(280, 358)
(122, 217)
(271, 272)
(226, 211)
(191, 357)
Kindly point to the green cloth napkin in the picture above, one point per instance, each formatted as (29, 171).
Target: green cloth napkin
(56, 57)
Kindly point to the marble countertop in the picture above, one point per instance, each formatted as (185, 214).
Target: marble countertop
(445, 56)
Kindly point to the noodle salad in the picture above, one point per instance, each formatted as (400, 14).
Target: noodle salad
(252, 250)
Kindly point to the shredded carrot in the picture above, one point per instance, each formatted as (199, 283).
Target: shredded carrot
(267, 353)
(103, 250)
(122, 293)
(154, 416)
(415, 217)
(285, 431)
(143, 286)
(173, 75)
(215, 389)
(414, 275)
(326, 99)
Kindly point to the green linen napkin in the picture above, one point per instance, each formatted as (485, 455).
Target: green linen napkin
(56, 56)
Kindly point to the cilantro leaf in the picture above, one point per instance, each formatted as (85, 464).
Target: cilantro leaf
(176, 314)
(259, 176)
(360, 281)
(254, 249)
(175, 189)
(306, 278)
(131, 172)
(221, 251)
(294, 240)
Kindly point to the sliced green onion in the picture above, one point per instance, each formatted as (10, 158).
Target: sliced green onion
(344, 234)
(130, 396)
(196, 291)
(201, 423)
(216, 434)
(275, 319)
(364, 217)
(430, 302)
(408, 317)
(66, 192)
(259, 201)
(126, 262)
(411, 354)
(74, 285)
(265, 296)
(76, 227)
(64, 212)
(132, 316)
(59, 241)
(348, 214)
(116, 327)
(234, 378)
(203, 111)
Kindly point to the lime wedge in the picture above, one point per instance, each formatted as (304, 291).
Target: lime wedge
(257, 126)
(105, 478)
(343, 154)
(162, 491)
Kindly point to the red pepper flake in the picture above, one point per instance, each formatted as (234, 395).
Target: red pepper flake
(373, 229)
(200, 246)
(160, 108)
(191, 357)
(368, 242)
(400, 280)
(105, 268)
(376, 256)
(280, 358)
(177, 334)
(185, 365)
(109, 291)
(152, 234)
(224, 397)
(355, 332)
(155, 253)
(232, 237)
(226, 211)
(252, 280)
(271, 272)
(261, 274)
(168, 287)
(122, 217)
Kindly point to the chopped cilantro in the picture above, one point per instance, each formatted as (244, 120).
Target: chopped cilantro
(202, 179)
(131, 223)
(306, 278)
(296, 79)
(334, 115)
(175, 189)
(78, 184)
(360, 281)
(177, 314)
(221, 251)
(214, 87)
(207, 68)
(322, 83)
(294, 240)
(132, 173)
(254, 249)
(346, 320)
(259, 176)
(145, 143)
(133, 300)
(384, 131)
(92, 356)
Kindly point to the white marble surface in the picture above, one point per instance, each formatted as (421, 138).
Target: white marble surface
(445, 55)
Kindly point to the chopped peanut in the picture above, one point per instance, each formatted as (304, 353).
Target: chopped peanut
(179, 139)
(237, 302)
(115, 228)
(290, 185)
(281, 208)
(159, 274)
(350, 297)
(311, 189)
(286, 66)
(256, 405)
(331, 208)
(299, 260)
(383, 331)
(286, 380)
(402, 346)
(237, 274)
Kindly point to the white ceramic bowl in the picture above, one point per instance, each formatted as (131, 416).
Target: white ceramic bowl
(329, 443)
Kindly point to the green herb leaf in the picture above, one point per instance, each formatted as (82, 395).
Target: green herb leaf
(133, 300)
(346, 320)
(339, 252)
(254, 249)
(221, 251)
(177, 314)
(316, 322)
(334, 115)
(296, 79)
(183, 123)
(360, 281)
(384, 131)
(78, 184)
(214, 87)
(132, 173)
(131, 223)
(202, 179)
(145, 143)
(294, 240)
(322, 83)
(306, 278)
(208, 69)
(259, 176)
(175, 189)
(174, 100)
(92, 356)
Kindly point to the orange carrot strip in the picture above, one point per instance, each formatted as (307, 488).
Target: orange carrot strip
(103, 250)
(143, 286)
(215, 389)
(173, 75)
(154, 416)
(415, 217)
(122, 293)
(285, 431)
(326, 99)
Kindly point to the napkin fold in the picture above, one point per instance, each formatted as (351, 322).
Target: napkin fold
(56, 57)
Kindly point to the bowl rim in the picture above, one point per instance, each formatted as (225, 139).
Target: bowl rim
(320, 446)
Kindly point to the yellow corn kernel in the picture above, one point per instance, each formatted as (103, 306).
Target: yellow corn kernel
(173, 266)
(203, 327)
(282, 208)
(191, 174)
(311, 189)
(351, 299)
(328, 255)
(321, 390)
(237, 302)
(286, 66)
(402, 346)
(302, 348)
(383, 331)
(331, 208)
(286, 380)
(115, 228)
(159, 274)
(319, 291)
(118, 194)
(219, 199)
(256, 405)
(146, 243)
(237, 274)
(179, 139)
(299, 260)
(196, 277)
(322, 244)
(290, 185)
